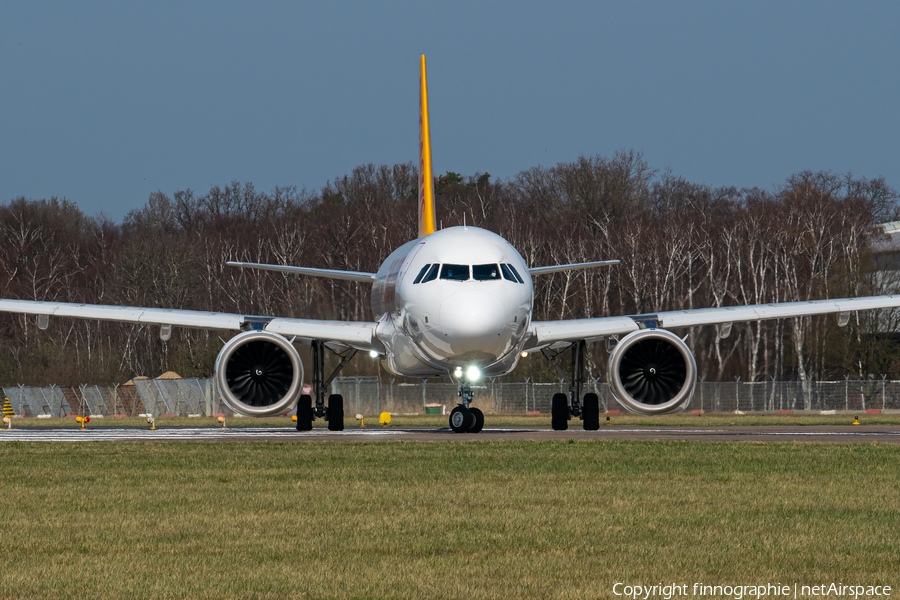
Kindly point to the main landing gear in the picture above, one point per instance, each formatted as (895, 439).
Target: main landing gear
(334, 411)
(465, 418)
(563, 408)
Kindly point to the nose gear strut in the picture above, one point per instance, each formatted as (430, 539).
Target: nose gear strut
(466, 418)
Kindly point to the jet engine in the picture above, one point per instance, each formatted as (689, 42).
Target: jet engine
(259, 374)
(652, 372)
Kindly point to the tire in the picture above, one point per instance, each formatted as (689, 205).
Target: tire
(590, 412)
(304, 413)
(559, 412)
(335, 412)
(461, 419)
(478, 420)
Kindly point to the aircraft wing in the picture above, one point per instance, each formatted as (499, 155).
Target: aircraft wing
(354, 334)
(571, 267)
(329, 273)
(545, 333)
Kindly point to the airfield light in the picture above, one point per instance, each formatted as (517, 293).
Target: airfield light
(373, 354)
(473, 373)
(8, 422)
(224, 425)
(856, 420)
(361, 419)
(607, 420)
(152, 422)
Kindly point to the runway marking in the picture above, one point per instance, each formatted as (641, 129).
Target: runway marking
(187, 433)
(731, 432)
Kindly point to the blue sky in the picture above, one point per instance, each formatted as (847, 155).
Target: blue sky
(106, 102)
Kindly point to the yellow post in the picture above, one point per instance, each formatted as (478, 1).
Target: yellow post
(7, 408)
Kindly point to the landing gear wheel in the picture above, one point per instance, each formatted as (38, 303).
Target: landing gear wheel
(559, 412)
(304, 413)
(461, 419)
(335, 412)
(478, 418)
(590, 412)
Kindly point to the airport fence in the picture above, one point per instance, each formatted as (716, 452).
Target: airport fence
(369, 396)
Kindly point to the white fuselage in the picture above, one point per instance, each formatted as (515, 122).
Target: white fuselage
(459, 297)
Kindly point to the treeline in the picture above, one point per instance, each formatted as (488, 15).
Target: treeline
(682, 245)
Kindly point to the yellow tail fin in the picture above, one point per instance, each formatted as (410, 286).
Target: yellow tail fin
(426, 178)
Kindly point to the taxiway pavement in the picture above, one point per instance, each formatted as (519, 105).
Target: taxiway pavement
(889, 434)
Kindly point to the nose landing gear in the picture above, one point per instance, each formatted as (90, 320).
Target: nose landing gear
(465, 418)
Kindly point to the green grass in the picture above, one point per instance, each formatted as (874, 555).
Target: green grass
(492, 420)
(451, 520)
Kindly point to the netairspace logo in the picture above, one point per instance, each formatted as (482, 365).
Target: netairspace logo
(769, 590)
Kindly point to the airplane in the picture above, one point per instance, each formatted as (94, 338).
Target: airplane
(454, 303)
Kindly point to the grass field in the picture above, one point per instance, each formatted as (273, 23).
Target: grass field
(500, 420)
(450, 520)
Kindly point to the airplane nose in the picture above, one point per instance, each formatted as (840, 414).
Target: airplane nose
(474, 321)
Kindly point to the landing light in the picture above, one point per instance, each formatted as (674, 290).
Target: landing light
(373, 354)
(458, 372)
(473, 373)
(524, 355)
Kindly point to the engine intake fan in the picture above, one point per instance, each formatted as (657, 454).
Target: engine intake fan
(652, 372)
(259, 374)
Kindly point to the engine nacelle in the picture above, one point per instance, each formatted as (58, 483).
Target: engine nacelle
(259, 374)
(652, 372)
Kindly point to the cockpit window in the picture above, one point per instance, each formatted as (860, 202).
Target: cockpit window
(485, 272)
(421, 274)
(455, 272)
(510, 273)
(432, 274)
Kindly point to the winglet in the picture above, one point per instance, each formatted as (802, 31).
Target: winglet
(426, 178)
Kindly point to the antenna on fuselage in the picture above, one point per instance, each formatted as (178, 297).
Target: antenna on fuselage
(464, 219)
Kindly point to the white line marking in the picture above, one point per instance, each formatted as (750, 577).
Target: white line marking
(726, 431)
(104, 435)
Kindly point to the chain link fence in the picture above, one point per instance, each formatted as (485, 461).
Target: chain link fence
(180, 397)
(369, 396)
